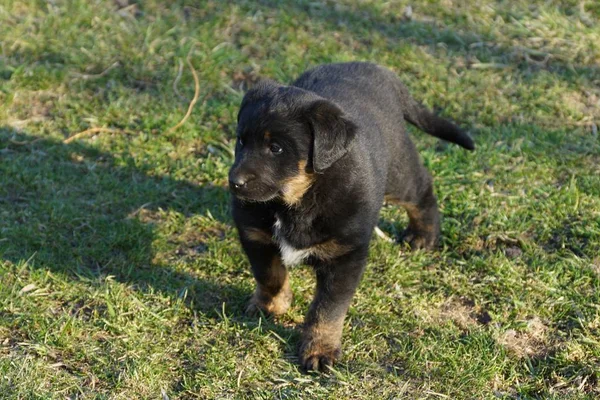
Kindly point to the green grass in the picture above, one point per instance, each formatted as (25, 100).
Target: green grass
(120, 273)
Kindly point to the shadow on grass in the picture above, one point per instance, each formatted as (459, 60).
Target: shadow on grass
(73, 211)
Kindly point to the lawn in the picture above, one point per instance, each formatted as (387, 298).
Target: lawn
(121, 276)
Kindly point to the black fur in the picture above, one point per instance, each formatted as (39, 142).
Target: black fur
(344, 147)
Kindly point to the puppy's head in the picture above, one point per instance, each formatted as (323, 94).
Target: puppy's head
(285, 135)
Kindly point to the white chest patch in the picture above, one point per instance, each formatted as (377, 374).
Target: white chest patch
(289, 254)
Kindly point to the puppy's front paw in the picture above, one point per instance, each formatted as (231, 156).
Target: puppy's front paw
(270, 304)
(420, 240)
(253, 309)
(318, 355)
(321, 344)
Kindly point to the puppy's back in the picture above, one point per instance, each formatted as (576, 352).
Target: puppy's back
(365, 89)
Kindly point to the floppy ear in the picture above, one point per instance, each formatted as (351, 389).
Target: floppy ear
(332, 133)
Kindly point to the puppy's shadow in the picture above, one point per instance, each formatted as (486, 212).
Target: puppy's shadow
(85, 214)
(82, 213)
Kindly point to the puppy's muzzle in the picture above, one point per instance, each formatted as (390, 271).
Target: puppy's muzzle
(238, 181)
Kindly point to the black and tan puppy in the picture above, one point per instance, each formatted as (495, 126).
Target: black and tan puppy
(313, 164)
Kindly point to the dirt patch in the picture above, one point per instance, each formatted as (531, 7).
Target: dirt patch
(148, 216)
(529, 342)
(461, 312)
(596, 265)
(31, 106)
(583, 102)
(513, 252)
(84, 311)
(512, 247)
(195, 241)
(10, 339)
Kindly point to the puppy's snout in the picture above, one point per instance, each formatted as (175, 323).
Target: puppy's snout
(240, 180)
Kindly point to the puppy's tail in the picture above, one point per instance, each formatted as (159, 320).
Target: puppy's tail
(425, 120)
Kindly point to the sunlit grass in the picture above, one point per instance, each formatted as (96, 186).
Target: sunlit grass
(120, 272)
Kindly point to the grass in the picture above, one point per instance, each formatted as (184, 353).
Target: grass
(121, 275)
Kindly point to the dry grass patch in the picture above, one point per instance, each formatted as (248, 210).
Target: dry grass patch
(530, 342)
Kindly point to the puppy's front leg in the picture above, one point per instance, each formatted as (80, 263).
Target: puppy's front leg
(273, 294)
(336, 283)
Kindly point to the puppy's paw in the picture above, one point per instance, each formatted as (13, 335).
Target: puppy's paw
(253, 309)
(271, 305)
(419, 240)
(317, 356)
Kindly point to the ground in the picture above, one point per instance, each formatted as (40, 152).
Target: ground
(121, 276)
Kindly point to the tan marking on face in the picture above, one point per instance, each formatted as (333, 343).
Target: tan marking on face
(277, 300)
(258, 235)
(294, 188)
(267, 135)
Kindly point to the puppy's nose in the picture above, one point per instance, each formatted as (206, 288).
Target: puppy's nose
(241, 180)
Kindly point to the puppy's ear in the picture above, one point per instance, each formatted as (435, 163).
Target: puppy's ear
(332, 133)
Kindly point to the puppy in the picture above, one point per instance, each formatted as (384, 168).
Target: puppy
(314, 162)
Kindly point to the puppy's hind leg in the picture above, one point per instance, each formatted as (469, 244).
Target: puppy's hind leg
(418, 199)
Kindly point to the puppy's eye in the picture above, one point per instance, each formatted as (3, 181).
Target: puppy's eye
(275, 148)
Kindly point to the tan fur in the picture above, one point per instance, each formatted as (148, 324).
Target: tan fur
(322, 339)
(390, 199)
(295, 187)
(326, 330)
(258, 235)
(414, 214)
(416, 219)
(329, 250)
(273, 303)
(267, 135)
